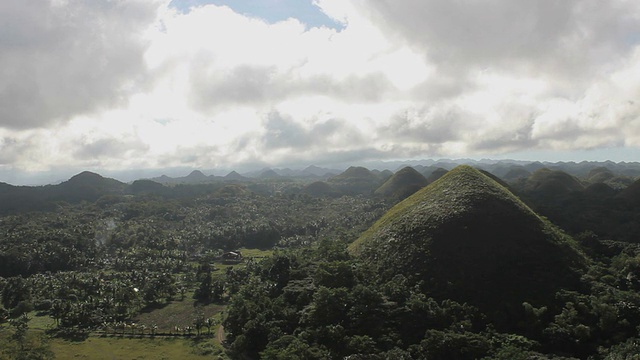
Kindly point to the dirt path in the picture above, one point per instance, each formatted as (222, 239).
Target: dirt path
(220, 335)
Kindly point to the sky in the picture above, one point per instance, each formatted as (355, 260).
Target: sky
(125, 85)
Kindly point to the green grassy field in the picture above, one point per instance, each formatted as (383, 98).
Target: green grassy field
(137, 348)
(177, 313)
(248, 253)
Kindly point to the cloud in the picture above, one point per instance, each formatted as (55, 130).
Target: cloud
(283, 132)
(250, 85)
(123, 84)
(572, 36)
(59, 59)
(97, 149)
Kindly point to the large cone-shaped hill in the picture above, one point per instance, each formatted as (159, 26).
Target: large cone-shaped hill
(402, 184)
(468, 238)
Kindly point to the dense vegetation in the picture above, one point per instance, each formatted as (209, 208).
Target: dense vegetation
(473, 272)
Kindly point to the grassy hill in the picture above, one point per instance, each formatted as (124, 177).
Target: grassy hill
(86, 186)
(546, 182)
(632, 193)
(436, 174)
(402, 184)
(319, 188)
(355, 180)
(468, 238)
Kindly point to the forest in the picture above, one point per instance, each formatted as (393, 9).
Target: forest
(516, 261)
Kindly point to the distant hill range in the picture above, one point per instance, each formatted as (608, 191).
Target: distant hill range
(468, 238)
(553, 180)
(198, 177)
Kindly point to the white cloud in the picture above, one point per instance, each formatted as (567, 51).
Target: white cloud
(65, 58)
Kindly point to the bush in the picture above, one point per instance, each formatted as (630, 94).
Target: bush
(23, 307)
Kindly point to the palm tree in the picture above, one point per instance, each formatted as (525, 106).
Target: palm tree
(209, 323)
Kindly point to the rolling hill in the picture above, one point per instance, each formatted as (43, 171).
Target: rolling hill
(402, 184)
(355, 180)
(550, 183)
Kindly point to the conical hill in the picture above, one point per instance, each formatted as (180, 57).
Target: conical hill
(551, 183)
(468, 238)
(355, 180)
(632, 193)
(402, 184)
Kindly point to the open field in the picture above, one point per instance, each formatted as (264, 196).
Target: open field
(177, 313)
(137, 348)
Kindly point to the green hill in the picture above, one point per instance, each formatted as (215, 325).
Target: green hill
(599, 175)
(631, 194)
(85, 186)
(436, 174)
(145, 186)
(355, 180)
(551, 183)
(516, 172)
(319, 188)
(468, 238)
(402, 184)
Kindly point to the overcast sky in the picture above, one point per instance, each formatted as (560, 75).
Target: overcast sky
(110, 85)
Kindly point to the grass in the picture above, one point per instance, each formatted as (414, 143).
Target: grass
(177, 313)
(449, 195)
(40, 321)
(137, 348)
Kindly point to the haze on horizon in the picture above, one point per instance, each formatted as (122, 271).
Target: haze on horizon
(116, 86)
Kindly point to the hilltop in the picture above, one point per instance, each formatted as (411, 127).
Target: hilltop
(355, 180)
(402, 184)
(551, 183)
(466, 233)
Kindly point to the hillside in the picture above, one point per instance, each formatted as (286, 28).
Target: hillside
(467, 238)
(85, 186)
(599, 175)
(355, 180)
(550, 183)
(318, 188)
(516, 172)
(436, 174)
(402, 184)
(631, 194)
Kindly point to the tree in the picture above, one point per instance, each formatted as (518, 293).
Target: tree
(58, 309)
(209, 323)
(199, 320)
(25, 345)
(204, 291)
(14, 291)
(20, 325)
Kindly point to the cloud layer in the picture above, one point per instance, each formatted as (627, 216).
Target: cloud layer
(123, 84)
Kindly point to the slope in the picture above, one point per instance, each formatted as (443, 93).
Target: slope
(402, 184)
(467, 238)
(551, 183)
(355, 180)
